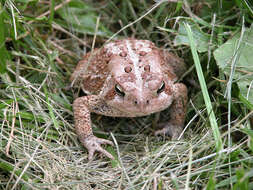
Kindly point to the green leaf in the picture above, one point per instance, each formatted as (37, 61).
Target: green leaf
(81, 18)
(202, 39)
(243, 74)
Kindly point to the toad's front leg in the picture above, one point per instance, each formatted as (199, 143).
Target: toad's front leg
(177, 113)
(83, 106)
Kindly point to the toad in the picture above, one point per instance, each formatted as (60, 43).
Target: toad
(128, 78)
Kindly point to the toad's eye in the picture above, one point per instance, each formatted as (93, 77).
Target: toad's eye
(119, 90)
(161, 89)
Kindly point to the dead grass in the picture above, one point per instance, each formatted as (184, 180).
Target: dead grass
(38, 145)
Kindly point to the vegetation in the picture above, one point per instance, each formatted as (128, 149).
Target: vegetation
(42, 41)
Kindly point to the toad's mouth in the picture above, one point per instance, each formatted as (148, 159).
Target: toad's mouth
(142, 111)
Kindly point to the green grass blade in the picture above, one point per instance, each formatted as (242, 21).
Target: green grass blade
(3, 51)
(51, 16)
(50, 108)
(5, 166)
(204, 90)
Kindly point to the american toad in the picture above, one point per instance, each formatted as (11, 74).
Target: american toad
(128, 78)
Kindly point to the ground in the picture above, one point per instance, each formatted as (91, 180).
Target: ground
(42, 41)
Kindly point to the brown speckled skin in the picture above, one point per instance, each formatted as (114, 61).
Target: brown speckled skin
(128, 78)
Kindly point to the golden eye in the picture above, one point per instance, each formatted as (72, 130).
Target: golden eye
(161, 89)
(119, 90)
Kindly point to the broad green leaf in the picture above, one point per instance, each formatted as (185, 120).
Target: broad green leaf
(202, 39)
(207, 9)
(243, 74)
(81, 18)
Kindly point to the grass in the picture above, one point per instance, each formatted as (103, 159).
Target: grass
(204, 90)
(42, 41)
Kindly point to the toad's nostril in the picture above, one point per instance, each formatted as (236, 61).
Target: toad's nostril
(136, 102)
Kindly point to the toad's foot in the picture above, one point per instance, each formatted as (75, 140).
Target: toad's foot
(93, 144)
(172, 130)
